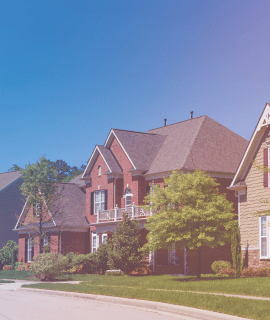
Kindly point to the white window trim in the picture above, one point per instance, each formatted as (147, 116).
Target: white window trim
(98, 191)
(99, 171)
(267, 237)
(29, 250)
(103, 236)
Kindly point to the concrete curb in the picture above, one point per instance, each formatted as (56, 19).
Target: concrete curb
(158, 306)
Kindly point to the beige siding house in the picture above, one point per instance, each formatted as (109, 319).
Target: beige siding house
(252, 187)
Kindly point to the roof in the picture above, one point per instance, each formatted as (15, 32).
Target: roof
(77, 180)
(110, 160)
(8, 178)
(141, 147)
(259, 131)
(67, 210)
(199, 143)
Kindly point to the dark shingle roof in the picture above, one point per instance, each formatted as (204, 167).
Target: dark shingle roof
(141, 147)
(110, 159)
(199, 143)
(77, 180)
(8, 178)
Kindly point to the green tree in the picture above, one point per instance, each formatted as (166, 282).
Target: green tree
(41, 192)
(15, 168)
(123, 248)
(9, 253)
(236, 251)
(189, 212)
(102, 257)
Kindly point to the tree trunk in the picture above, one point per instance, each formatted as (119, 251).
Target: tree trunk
(186, 261)
(199, 264)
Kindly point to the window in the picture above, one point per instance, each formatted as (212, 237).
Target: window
(128, 196)
(264, 238)
(104, 237)
(99, 170)
(100, 200)
(30, 250)
(46, 241)
(94, 242)
(36, 209)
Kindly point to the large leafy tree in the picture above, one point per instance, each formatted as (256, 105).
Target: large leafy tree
(41, 192)
(189, 212)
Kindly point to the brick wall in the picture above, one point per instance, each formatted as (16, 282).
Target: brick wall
(74, 242)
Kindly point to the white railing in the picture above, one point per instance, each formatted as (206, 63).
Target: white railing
(116, 214)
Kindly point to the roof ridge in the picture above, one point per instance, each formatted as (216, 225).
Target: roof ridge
(194, 139)
(178, 122)
(154, 134)
(10, 171)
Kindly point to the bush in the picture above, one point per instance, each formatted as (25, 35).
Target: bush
(228, 272)
(9, 253)
(20, 267)
(47, 266)
(220, 264)
(7, 267)
(116, 273)
(87, 261)
(102, 258)
(18, 264)
(252, 273)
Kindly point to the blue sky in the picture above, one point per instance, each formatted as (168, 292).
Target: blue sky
(72, 70)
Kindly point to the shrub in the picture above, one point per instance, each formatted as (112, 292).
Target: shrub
(220, 264)
(228, 272)
(102, 258)
(70, 256)
(47, 266)
(21, 267)
(251, 272)
(18, 264)
(116, 273)
(9, 253)
(7, 267)
(123, 249)
(87, 261)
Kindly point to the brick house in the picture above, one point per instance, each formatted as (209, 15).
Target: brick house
(251, 187)
(120, 172)
(11, 204)
(119, 175)
(65, 224)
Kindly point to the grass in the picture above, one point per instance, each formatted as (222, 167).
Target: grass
(16, 275)
(3, 281)
(170, 289)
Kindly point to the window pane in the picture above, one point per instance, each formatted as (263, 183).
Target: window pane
(97, 207)
(104, 239)
(97, 196)
(94, 242)
(128, 200)
(263, 247)
(102, 196)
(263, 227)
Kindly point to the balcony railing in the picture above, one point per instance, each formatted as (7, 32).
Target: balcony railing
(116, 214)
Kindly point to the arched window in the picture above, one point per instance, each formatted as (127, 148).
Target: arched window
(99, 170)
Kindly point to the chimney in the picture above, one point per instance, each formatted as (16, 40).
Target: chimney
(165, 120)
(191, 112)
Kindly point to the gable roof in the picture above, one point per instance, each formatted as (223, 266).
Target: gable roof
(257, 135)
(68, 210)
(199, 143)
(8, 178)
(106, 154)
(78, 180)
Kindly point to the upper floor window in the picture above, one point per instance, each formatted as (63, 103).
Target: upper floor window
(100, 200)
(36, 209)
(99, 170)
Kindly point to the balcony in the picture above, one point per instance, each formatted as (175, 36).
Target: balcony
(116, 214)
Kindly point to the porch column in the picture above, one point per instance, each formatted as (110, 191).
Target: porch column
(115, 213)
(97, 240)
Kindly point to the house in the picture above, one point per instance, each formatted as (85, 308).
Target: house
(120, 172)
(64, 223)
(252, 188)
(11, 204)
(118, 176)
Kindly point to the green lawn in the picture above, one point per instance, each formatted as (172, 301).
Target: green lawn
(169, 289)
(18, 275)
(2, 281)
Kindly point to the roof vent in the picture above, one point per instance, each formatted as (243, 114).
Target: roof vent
(191, 113)
(165, 120)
